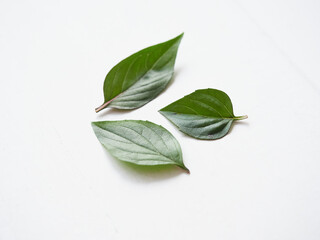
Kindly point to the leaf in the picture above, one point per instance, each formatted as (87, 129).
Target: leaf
(203, 114)
(139, 142)
(141, 77)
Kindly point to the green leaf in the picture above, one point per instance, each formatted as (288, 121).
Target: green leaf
(203, 114)
(141, 77)
(139, 142)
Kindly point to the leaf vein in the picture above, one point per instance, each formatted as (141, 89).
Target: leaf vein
(154, 150)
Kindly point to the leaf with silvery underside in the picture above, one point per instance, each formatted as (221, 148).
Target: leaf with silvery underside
(203, 114)
(139, 142)
(141, 77)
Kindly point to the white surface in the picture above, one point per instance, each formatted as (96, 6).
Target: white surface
(259, 182)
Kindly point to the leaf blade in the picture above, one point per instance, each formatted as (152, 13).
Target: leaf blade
(139, 142)
(204, 114)
(141, 77)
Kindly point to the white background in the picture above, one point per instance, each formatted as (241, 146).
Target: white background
(260, 182)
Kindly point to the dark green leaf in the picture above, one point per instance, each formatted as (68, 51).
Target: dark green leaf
(203, 114)
(139, 142)
(141, 77)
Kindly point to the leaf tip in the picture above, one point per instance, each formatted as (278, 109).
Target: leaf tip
(179, 37)
(185, 168)
(93, 125)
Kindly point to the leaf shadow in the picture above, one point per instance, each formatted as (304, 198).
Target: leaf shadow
(143, 174)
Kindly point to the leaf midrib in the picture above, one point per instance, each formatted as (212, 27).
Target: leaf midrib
(200, 115)
(225, 106)
(147, 72)
(138, 144)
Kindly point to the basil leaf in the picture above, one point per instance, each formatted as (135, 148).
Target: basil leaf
(139, 142)
(141, 77)
(203, 114)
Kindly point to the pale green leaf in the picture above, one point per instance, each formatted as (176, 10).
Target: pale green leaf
(139, 142)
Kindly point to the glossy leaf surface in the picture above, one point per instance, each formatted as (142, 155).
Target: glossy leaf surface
(141, 77)
(139, 142)
(203, 114)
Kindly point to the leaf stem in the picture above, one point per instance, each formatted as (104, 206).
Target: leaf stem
(98, 109)
(240, 117)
